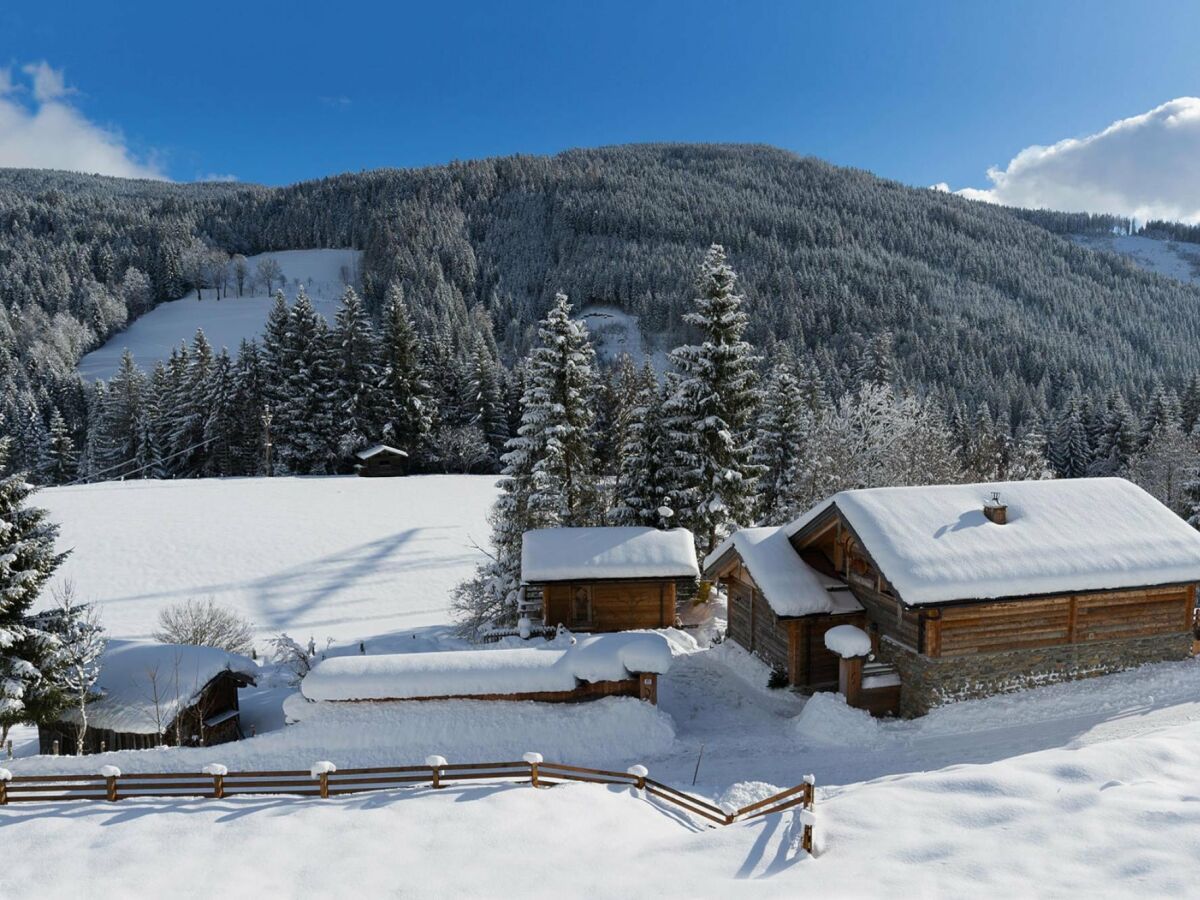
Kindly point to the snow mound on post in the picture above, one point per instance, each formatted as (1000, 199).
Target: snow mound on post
(564, 554)
(465, 673)
(322, 767)
(848, 641)
(827, 721)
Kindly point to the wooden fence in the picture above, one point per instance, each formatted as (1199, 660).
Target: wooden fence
(326, 780)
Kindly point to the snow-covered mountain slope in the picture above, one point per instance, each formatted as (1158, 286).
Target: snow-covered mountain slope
(615, 332)
(1173, 259)
(345, 558)
(324, 274)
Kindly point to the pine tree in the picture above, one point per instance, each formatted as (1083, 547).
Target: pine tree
(710, 410)
(249, 404)
(407, 405)
(643, 488)
(1069, 452)
(189, 413)
(77, 643)
(116, 438)
(304, 418)
(220, 434)
(356, 350)
(1189, 405)
(61, 460)
(27, 560)
(485, 397)
(783, 434)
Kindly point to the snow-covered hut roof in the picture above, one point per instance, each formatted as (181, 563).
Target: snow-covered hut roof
(565, 554)
(134, 673)
(935, 545)
(380, 448)
(790, 585)
(464, 673)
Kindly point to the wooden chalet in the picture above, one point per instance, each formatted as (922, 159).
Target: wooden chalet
(966, 590)
(607, 579)
(381, 461)
(151, 694)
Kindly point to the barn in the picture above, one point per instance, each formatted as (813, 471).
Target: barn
(607, 579)
(151, 694)
(381, 461)
(967, 590)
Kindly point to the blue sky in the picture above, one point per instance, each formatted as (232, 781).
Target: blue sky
(921, 92)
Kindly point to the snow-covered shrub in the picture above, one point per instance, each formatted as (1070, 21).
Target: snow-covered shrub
(202, 623)
(291, 658)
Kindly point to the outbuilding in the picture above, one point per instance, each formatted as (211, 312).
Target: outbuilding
(152, 694)
(967, 590)
(608, 579)
(381, 461)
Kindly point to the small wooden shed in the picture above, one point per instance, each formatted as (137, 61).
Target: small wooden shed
(608, 579)
(381, 461)
(152, 694)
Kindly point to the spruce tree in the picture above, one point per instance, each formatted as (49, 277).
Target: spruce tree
(304, 418)
(485, 396)
(643, 487)
(408, 408)
(711, 408)
(61, 460)
(784, 432)
(356, 350)
(27, 560)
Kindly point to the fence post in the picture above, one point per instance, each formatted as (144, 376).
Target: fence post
(320, 770)
(533, 759)
(218, 773)
(807, 816)
(437, 763)
(110, 774)
(5, 778)
(640, 773)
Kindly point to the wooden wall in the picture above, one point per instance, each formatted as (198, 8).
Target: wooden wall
(1052, 621)
(615, 605)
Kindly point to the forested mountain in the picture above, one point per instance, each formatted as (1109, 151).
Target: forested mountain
(984, 304)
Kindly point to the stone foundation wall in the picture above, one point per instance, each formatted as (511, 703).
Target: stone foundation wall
(927, 682)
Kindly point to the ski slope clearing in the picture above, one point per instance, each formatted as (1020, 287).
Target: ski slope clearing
(324, 274)
(1173, 259)
(615, 333)
(337, 557)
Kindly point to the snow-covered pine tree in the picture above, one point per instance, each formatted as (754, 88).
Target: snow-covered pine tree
(1162, 412)
(643, 487)
(407, 405)
(356, 374)
(710, 410)
(1069, 451)
(189, 412)
(304, 417)
(1027, 457)
(1189, 405)
(27, 560)
(61, 460)
(78, 642)
(249, 404)
(219, 433)
(486, 399)
(784, 431)
(115, 448)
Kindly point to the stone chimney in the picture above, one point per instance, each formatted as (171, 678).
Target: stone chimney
(995, 510)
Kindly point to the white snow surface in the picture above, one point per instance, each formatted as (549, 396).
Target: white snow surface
(792, 587)
(341, 557)
(1174, 259)
(227, 321)
(615, 333)
(563, 554)
(145, 684)
(848, 641)
(935, 545)
(456, 673)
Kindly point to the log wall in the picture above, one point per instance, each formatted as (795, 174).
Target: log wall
(615, 605)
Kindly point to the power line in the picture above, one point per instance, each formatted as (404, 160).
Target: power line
(91, 476)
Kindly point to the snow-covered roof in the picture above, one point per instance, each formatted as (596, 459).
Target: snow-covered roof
(935, 545)
(145, 685)
(377, 449)
(455, 673)
(790, 585)
(564, 554)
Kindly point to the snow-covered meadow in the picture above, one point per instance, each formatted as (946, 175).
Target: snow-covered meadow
(1084, 788)
(323, 273)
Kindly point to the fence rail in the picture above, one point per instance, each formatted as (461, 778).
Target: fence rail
(326, 780)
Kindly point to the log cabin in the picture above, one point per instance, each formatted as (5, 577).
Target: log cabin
(966, 590)
(150, 694)
(381, 461)
(607, 579)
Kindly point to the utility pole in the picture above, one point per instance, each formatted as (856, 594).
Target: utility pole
(266, 421)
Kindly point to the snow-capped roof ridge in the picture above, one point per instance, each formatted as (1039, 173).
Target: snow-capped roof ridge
(935, 545)
(563, 554)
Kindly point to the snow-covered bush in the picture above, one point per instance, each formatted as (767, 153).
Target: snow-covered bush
(291, 658)
(202, 623)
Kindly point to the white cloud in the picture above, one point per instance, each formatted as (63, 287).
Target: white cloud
(50, 133)
(1147, 166)
(217, 176)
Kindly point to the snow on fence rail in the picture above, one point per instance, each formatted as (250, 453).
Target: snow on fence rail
(325, 780)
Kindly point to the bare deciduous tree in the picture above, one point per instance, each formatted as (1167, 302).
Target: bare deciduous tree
(203, 623)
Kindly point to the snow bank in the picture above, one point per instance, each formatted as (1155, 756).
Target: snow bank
(826, 720)
(791, 586)
(848, 641)
(145, 685)
(743, 793)
(604, 657)
(1081, 534)
(612, 732)
(563, 554)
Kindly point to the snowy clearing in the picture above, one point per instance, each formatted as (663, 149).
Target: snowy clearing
(1173, 259)
(324, 274)
(341, 557)
(615, 332)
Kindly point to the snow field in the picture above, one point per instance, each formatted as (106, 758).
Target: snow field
(324, 274)
(337, 557)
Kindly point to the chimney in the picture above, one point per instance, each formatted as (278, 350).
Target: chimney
(995, 510)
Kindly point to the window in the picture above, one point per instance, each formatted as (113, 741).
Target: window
(581, 605)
